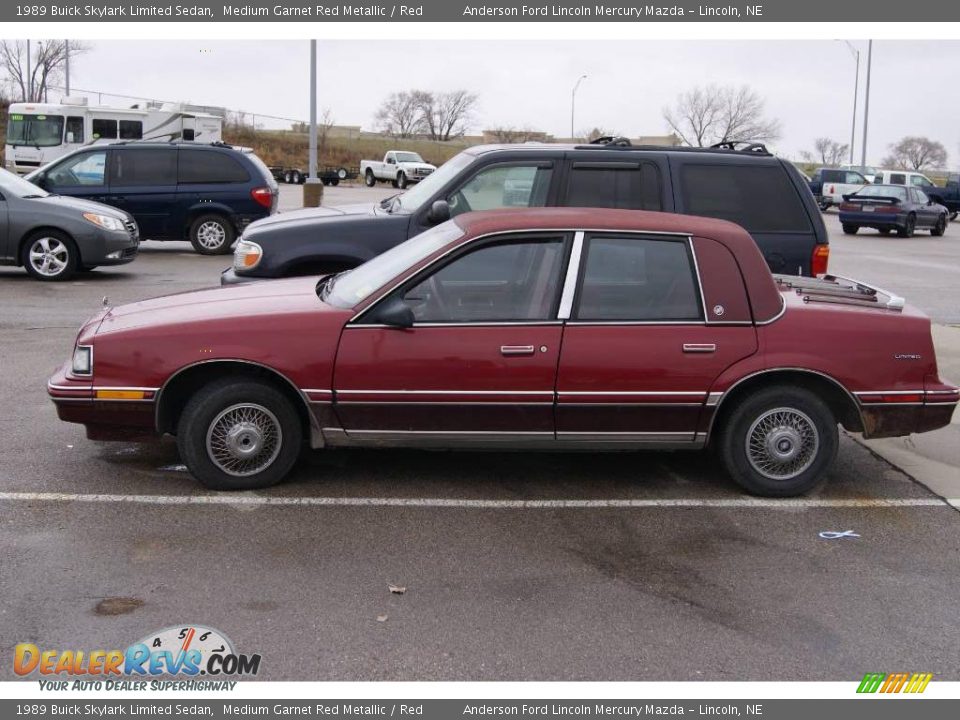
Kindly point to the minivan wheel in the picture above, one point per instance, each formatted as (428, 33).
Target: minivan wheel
(369, 179)
(50, 255)
(211, 235)
(779, 442)
(239, 435)
(908, 227)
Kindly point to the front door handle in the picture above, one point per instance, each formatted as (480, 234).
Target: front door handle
(699, 347)
(511, 350)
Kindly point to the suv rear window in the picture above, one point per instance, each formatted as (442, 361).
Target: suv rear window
(759, 198)
(614, 185)
(201, 166)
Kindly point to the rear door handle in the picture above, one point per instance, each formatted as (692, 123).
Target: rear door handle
(509, 350)
(699, 347)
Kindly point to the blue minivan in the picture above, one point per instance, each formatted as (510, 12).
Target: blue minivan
(204, 193)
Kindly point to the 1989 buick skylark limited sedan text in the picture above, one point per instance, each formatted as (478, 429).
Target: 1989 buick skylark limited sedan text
(530, 329)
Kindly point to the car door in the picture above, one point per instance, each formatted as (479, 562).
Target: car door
(83, 175)
(478, 364)
(927, 214)
(143, 181)
(639, 357)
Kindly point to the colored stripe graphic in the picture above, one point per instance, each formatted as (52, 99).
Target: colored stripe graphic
(894, 682)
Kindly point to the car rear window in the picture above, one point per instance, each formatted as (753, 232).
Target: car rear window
(202, 166)
(760, 198)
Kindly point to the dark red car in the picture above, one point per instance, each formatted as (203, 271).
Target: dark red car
(530, 329)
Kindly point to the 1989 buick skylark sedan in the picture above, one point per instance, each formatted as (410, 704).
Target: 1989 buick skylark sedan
(530, 329)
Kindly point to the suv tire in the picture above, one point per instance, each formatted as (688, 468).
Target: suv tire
(402, 181)
(212, 234)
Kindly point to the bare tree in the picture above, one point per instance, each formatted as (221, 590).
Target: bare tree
(513, 135)
(830, 152)
(916, 153)
(400, 115)
(713, 114)
(324, 123)
(47, 60)
(445, 115)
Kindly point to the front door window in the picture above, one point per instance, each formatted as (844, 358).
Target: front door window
(502, 186)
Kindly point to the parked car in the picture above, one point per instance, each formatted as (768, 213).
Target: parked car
(892, 207)
(948, 196)
(53, 236)
(750, 187)
(829, 185)
(204, 193)
(550, 329)
(399, 167)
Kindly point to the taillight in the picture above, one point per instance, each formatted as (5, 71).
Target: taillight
(263, 195)
(849, 207)
(819, 259)
(887, 209)
(831, 190)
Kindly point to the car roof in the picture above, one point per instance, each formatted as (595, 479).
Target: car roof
(764, 296)
(614, 149)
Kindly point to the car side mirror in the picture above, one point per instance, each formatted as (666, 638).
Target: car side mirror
(40, 181)
(439, 212)
(395, 313)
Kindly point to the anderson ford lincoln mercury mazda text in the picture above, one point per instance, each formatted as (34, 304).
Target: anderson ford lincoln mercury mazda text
(550, 329)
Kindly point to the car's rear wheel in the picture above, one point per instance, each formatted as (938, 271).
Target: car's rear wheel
(211, 235)
(941, 227)
(909, 225)
(50, 255)
(369, 179)
(779, 442)
(239, 435)
(824, 206)
(851, 229)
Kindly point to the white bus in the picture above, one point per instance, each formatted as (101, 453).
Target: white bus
(38, 133)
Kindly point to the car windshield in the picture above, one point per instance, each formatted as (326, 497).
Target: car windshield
(408, 157)
(416, 196)
(36, 130)
(348, 289)
(18, 187)
(885, 191)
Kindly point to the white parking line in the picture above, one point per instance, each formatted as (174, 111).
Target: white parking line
(248, 499)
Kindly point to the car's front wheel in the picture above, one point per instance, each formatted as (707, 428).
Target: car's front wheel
(50, 255)
(941, 227)
(851, 229)
(211, 235)
(369, 179)
(239, 435)
(779, 442)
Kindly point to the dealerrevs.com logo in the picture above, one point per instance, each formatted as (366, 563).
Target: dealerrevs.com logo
(184, 651)
(894, 683)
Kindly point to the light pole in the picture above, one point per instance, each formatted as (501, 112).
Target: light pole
(573, 103)
(856, 89)
(312, 188)
(66, 66)
(866, 107)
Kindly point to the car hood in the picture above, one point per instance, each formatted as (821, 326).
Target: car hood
(81, 205)
(308, 217)
(415, 165)
(240, 303)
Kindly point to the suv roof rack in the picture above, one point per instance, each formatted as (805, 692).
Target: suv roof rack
(757, 149)
(747, 146)
(617, 140)
(841, 290)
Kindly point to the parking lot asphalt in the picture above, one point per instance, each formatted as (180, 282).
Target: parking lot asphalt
(628, 566)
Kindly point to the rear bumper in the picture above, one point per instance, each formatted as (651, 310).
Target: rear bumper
(895, 419)
(874, 220)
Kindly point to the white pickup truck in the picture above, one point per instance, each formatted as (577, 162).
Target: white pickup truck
(400, 167)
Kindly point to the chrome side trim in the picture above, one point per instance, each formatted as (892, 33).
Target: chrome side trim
(699, 347)
(570, 280)
(317, 390)
(858, 393)
(698, 393)
(437, 403)
(516, 323)
(51, 386)
(124, 388)
(445, 392)
(783, 309)
(627, 436)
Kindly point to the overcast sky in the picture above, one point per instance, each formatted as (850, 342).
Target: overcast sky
(808, 84)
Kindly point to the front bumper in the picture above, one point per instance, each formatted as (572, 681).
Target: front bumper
(109, 248)
(230, 277)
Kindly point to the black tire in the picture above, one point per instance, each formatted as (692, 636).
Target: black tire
(851, 229)
(402, 181)
(325, 181)
(335, 181)
(953, 216)
(212, 234)
(941, 227)
(883, 231)
(288, 177)
(395, 183)
(369, 179)
(824, 206)
(50, 255)
(213, 411)
(802, 413)
(909, 226)
(297, 177)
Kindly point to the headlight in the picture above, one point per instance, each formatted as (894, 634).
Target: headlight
(107, 222)
(246, 255)
(83, 360)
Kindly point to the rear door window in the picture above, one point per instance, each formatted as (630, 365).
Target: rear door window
(760, 198)
(201, 166)
(146, 166)
(898, 179)
(632, 186)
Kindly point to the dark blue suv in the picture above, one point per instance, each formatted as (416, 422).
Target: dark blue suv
(206, 194)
